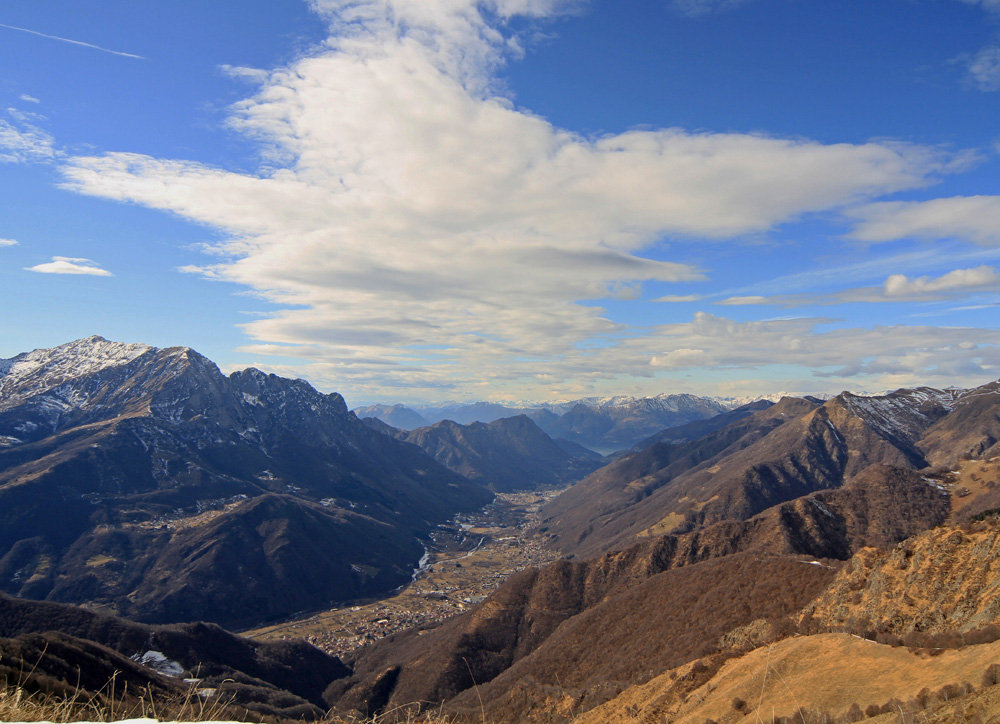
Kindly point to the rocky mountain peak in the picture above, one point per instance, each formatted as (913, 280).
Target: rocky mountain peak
(35, 372)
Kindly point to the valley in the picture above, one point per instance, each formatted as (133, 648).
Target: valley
(467, 559)
(150, 505)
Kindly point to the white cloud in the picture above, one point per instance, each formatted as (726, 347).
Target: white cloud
(410, 218)
(681, 358)
(7, 242)
(29, 99)
(678, 298)
(972, 218)
(22, 141)
(743, 301)
(984, 68)
(896, 288)
(912, 353)
(899, 285)
(70, 265)
(880, 357)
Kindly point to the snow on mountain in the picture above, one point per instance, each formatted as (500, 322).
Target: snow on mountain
(31, 373)
(905, 412)
(731, 403)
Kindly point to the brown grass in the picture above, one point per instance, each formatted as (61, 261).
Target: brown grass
(19, 704)
(822, 673)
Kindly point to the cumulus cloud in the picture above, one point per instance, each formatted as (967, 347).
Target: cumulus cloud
(7, 242)
(407, 214)
(972, 218)
(70, 265)
(899, 285)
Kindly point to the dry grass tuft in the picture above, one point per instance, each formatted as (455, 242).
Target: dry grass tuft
(19, 704)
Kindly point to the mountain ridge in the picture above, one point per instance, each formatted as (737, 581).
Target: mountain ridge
(133, 451)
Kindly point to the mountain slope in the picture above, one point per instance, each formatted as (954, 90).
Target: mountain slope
(944, 580)
(700, 428)
(147, 451)
(971, 430)
(777, 454)
(621, 422)
(72, 649)
(511, 453)
(825, 676)
(657, 622)
(587, 517)
(393, 415)
(595, 623)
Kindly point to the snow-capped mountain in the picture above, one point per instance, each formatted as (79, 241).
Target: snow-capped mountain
(34, 372)
(188, 485)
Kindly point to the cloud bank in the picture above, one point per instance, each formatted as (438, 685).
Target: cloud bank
(422, 232)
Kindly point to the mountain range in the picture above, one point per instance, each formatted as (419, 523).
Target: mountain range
(147, 482)
(760, 561)
(604, 425)
(508, 454)
(773, 501)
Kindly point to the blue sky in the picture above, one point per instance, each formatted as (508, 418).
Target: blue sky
(426, 200)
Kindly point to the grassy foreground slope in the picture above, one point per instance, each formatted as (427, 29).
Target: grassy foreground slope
(825, 675)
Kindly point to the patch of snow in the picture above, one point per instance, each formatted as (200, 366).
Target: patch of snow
(899, 414)
(823, 509)
(836, 433)
(158, 662)
(934, 484)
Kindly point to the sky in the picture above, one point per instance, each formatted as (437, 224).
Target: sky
(535, 200)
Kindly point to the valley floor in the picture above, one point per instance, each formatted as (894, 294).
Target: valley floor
(467, 559)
